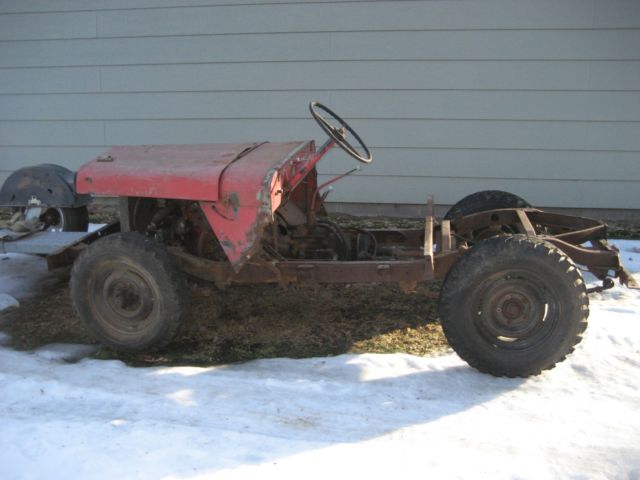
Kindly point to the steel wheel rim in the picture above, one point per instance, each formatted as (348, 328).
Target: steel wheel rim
(514, 309)
(54, 219)
(124, 298)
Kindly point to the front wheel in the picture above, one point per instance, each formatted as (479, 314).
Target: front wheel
(513, 306)
(129, 292)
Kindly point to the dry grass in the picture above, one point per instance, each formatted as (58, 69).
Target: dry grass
(243, 323)
(262, 321)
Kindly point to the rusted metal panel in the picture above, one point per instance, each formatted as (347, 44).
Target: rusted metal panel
(566, 232)
(427, 250)
(525, 224)
(250, 191)
(239, 186)
(183, 172)
(446, 242)
(306, 272)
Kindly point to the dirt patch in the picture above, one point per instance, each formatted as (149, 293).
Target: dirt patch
(626, 230)
(263, 321)
(244, 323)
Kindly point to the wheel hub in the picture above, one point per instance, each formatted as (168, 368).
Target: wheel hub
(128, 295)
(54, 219)
(511, 310)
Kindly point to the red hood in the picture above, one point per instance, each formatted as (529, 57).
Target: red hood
(182, 172)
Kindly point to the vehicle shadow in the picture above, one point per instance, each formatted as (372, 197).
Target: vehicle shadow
(176, 421)
(277, 409)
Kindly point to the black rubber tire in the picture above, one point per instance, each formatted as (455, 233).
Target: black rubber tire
(483, 201)
(66, 219)
(75, 219)
(129, 292)
(513, 306)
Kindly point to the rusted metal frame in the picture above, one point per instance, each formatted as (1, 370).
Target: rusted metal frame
(525, 226)
(428, 233)
(446, 241)
(477, 221)
(298, 271)
(599, 260)
(596, 258)
(580, 236)
(561, 221)
(309, 164)
(442, 263)
(577, 229)
(572, 229)
(403, 237)
(412, 237)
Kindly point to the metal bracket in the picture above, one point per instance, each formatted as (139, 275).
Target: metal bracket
(428, 232)
(306, 273)
(607, 283)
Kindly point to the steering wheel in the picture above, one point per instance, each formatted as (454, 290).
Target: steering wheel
(339, 134)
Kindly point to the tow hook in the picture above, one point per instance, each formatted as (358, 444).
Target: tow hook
(607, 283)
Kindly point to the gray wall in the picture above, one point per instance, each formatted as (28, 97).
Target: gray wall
(541, 98)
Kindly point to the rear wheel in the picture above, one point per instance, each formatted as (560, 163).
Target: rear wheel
(513, 306)
(129, 292)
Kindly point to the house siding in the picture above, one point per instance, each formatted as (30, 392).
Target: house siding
(541, 98)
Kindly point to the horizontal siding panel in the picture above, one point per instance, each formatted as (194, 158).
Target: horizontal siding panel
(430, 15)
(435, 14)
(554, 193)
(456, 45)
(51, 133)
(493, 105)
(486, 164)
(539, 98)
(478, 75)
(161, 50)
(13, 6)
(49, 80)
(404, 162)
(616, 13)
(386, 75)
(49, 26)
(157, 105)
(504, 45)
(13, 158)
(389, 133)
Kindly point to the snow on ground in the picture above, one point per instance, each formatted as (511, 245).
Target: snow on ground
(377, 416)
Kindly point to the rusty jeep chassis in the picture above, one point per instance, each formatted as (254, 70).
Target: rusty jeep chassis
(513, 301)
(411, 263)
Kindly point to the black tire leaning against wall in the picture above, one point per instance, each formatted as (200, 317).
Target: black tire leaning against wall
(483, 201)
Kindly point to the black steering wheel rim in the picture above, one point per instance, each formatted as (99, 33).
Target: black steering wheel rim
(337, 135)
